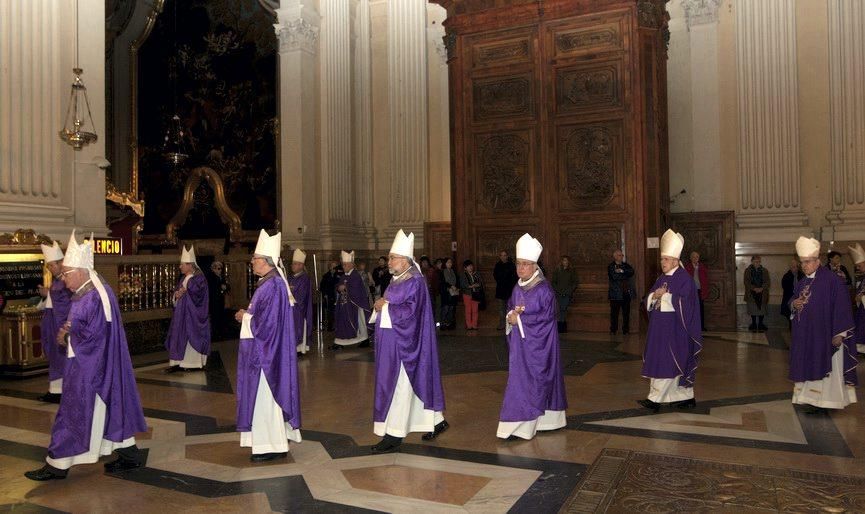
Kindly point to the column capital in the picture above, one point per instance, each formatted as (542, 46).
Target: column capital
(701, 12)
(298, 27)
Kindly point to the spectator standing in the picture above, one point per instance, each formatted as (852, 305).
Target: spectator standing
(839, 269)
(505, 275)
(327, 287)
(700, 273)
(381, 277)
(788, 284)
(621, 290)
(564, 283)
(472, 289)
(757, 284)
(450, 295)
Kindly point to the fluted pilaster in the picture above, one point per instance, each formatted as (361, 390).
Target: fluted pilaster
(363, 117)
(407, 87)
(335, 72)
(298, 34)
(44, 184)
(769, 172)
(847, 116)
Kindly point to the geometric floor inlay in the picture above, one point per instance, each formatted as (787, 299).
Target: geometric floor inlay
(629, 481)
(770, 422)
(228, 453)
(436, 486)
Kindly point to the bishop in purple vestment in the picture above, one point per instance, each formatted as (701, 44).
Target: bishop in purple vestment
(268, 396)
(55, 309)
(352, 306)
(858, 255)
(408, 389)
(100, 410)
(301, 287)
(188, 341)
(822, 349)
(675, 338)
(535, 395)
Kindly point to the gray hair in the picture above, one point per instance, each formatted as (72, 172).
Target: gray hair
(267, 259)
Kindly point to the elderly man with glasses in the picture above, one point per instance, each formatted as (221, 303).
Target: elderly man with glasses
(822, 350)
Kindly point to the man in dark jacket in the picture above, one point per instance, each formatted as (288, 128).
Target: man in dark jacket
(505, 275)
(327, 287)
(621, 276)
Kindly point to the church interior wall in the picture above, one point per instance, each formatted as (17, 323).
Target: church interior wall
(715, 26)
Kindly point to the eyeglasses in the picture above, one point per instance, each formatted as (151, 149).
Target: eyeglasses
(64, 273)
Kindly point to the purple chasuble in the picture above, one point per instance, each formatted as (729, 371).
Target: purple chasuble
(101, 366)
(859, 317)
(272, 349)
(301, 289)
(191, 319)
(674, 338)
(355, 297)
(827, 312)
(52, 320)
(411, 342)
(535, 380)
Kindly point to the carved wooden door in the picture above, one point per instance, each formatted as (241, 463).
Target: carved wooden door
(712, 235)
(559, 130)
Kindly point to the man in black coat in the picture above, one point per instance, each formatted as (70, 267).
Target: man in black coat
(505, 275)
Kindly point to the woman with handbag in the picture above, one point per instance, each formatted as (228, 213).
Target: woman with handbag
(472, 289)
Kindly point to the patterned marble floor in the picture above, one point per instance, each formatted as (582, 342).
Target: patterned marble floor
(743, 426)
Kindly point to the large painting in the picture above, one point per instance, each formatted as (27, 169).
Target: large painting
(214, 64)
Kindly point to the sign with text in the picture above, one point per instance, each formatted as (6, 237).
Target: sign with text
(107, 246)
(21, 275)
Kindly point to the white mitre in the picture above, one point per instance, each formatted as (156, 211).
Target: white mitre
(807, 247)
(672, 244)
(269, 246)
(857, 253)
(52, 253)
(188, 256)
(529, 248)
(298, 256)
(403, 244)
(346, 256)
(81, 256)
(78, 255)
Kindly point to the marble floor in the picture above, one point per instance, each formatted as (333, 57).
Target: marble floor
(745, 448)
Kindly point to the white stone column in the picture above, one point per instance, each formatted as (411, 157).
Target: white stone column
(297, 31)
(407, 88)
(45, 185)
(706, 189)
(769, 173)
(439, 117)
(847, 117)
(337, 179)
(362, 126)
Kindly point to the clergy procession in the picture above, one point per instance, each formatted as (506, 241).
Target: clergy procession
(90, 372)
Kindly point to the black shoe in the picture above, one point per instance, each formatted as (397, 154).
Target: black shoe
(299, 354)
(762, 328)
(513, 438)
(171, 369)
(649, 404)
(685, 404)
(387, 445)
(335, 347)
(752, 327)
(441, 427)
(121, 464)
(191, 370)
(46, 472)
(264, 457)
(50, 398)
(364, 344)
(811, 409)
